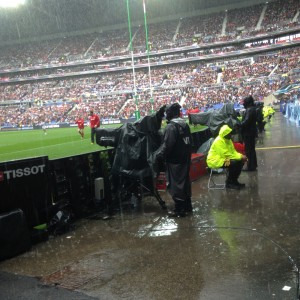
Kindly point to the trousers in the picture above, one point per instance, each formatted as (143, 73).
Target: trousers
(234, 171)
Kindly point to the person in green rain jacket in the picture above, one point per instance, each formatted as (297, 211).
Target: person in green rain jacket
(222, 154)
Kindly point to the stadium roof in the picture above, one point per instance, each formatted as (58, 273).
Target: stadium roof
(38, 18)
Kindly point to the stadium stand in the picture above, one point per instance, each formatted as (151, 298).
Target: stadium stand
(71, 85)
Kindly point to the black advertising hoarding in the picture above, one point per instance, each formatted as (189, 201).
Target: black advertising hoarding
(24, 185)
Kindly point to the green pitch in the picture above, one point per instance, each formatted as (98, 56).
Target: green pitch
(57, 143)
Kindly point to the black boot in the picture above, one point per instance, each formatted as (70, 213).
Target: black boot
(189, 207)
(177, 214)
(242, 185)
(230, 184)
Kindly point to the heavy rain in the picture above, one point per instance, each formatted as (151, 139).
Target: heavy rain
(88, 207)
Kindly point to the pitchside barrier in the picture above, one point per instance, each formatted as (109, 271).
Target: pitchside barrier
(8, 127)
(39, 187)
(36, 185)
(119, 121)
(25, 185)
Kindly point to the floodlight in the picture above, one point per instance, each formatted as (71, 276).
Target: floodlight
(11, 3)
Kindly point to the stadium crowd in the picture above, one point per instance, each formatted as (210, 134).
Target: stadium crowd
(242, 22)
(112, 95)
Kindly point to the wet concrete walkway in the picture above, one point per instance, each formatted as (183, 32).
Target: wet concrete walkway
(236, 245)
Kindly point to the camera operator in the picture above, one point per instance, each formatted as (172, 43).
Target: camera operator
(176, 152)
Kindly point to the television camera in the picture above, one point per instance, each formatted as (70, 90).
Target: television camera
(133, 170)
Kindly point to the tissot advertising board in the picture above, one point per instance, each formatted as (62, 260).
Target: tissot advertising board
(24, 184)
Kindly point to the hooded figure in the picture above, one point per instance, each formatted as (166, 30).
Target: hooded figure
(176, 152)
(222, 154)
(259, 116)
(172, 111)
(249, 132)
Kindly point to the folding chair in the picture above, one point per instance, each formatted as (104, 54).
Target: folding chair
(217, 179)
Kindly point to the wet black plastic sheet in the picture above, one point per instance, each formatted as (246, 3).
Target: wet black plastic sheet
(135, 144)
(215, 119)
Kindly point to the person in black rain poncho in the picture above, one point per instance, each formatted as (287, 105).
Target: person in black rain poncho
(249, 132)
(176, 152)
(260, 116)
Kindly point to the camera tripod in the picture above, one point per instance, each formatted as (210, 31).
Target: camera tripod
(133, 189)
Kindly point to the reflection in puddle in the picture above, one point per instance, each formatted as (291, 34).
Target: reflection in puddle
(165, 227)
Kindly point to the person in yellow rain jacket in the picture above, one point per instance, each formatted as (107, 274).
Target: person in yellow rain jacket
(268, 112)
(271, 112)
(222, 154)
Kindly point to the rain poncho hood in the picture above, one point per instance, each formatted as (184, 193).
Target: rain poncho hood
(172, 111)
(248, 101)
(225, 129)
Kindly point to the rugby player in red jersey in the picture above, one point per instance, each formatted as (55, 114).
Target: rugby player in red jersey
(80, 124)
(94, 124)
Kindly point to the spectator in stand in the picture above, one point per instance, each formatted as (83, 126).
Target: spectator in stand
(94, 124)
(80, 124)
